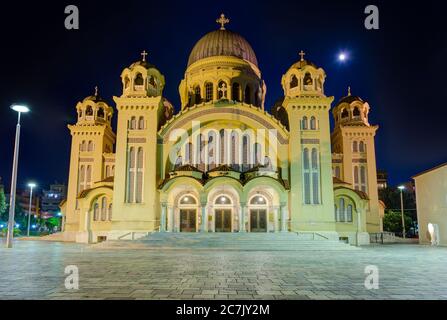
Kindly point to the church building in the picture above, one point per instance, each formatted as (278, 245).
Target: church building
(223, 163)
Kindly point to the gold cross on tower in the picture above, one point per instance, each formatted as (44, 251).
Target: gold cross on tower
(144, 54)
(223, 21)
(302, 54)
(96, 91)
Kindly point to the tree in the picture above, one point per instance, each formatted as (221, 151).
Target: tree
(392, 222)
(3, 206)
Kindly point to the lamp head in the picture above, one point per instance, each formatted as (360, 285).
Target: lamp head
(401, 188)
(20, 108)
(32, 185)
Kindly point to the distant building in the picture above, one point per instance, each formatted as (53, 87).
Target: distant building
(382, 179)
(51, 199)
(22, 199)
(431, 202)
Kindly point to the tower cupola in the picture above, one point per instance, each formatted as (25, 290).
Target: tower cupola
(351, 110)
(303, 78)
(142, 79)
(94, 110)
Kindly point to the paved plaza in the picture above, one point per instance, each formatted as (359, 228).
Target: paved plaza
(35, 270)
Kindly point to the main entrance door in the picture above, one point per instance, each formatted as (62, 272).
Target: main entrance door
(258, 220)
(188, 220)
(222, 220)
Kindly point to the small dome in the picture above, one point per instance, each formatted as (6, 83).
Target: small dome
(350, 98)
(302, 63)
(222, 43)
(95, 97)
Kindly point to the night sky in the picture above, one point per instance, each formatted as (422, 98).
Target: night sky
(400, 69)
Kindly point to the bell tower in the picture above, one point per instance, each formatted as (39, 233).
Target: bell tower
(92, 136)
(141, 112)
(353, 138)
(311, 190)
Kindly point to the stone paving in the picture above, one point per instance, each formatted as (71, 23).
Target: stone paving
(35, 270)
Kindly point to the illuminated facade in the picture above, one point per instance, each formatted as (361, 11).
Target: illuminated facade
(222, 163)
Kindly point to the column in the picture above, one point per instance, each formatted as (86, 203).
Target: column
(204, 224)
(171, 223)
(242, 217)
(283, 217)
(163, 217)
(276, 218)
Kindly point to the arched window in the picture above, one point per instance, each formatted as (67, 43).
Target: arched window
(361, 146)
(107, 171)
(245, 151)
(103, 209)
(356, 178)
(188, 200)
(211, 150)
(234, 150)
(141, 123)
(88, 177)
(222, 200)
(355, 146)
(349, 213)
(308, 79)
(337, 172)
(96, 211)
(197, 95)
(258, 200)
(342, 217)
(200, 148)
(90, 146)
(344, 114)
(208, 91)
(126, 82)
(109, 217)
(356, 112)
(247, 94)
(313, 123)
(222, 135)
(133, 123)
(363, 179)
(83, 146)
(236, 92)
(257, 148)
(315, 177)
(100, 113)
(89, 111)
(293, 82)
(131, 175)
(306, 176)
(81, 179)
(139, 81)
(188, 153)
(304, 123)
(222, 89)
(139, 186)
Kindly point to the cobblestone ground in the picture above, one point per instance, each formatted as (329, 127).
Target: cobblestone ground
(35, 270)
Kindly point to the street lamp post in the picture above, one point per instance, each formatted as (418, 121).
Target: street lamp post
(12, 199)
(402, 188)
(31, 185)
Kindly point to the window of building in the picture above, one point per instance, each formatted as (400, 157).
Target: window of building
(188, 153)
(89, 111)
(234, 149)
(257, 153)
(356, 112)
(103, 209)
(141, 123)
(245, 151)
(363, 179)
(131, 175)
(222, 135)
(362, 146)
(337, 172)
(355, 146)
(344, 114)
(306, 178)
(139, 81)
(236, 92)
(258, 200)
(356, 178)
(100, 113)
(304, 123)
(211, 150)
(313, 123)
(247, 94)
(293, 82)
(188, 200)
(308, 79)
(208, 91)
(109, 217)
(96, 211)
(197, 95)
(222, 200)
(315, 176)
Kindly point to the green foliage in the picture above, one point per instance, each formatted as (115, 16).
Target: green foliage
(4, 231)
(392, 222)
(3, 205)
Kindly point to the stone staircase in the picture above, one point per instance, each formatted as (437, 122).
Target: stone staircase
(288, 241)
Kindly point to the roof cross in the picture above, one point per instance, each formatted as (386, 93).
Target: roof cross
(144, 54)
(223, 21)
(96, 91)
(302, 54)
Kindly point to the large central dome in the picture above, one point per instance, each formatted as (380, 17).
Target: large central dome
(222, 43)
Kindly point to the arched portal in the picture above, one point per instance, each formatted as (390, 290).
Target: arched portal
(258, 213)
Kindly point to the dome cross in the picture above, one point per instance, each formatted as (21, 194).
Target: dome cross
(143, 55)
(222, 21)
(96, 91)
(302, 54)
